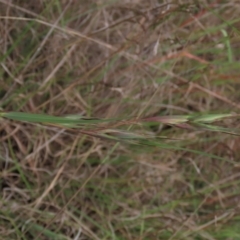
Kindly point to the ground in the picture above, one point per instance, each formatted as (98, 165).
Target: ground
(124, 61)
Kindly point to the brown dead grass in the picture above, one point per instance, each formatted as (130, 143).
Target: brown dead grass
(120, 59)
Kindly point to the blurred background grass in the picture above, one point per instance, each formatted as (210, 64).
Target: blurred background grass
(119, 59)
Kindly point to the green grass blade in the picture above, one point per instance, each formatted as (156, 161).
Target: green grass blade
(44, 118)
(228, 45)
(208, 118)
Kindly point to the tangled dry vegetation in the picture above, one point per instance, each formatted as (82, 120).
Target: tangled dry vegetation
(125, 60)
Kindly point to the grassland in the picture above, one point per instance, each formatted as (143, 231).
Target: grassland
(129, 170)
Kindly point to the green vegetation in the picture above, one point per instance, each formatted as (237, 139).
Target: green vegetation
(119, 120)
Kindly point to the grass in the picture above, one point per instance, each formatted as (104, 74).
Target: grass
(119, 120)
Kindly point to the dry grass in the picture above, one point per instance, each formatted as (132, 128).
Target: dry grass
(125, 60)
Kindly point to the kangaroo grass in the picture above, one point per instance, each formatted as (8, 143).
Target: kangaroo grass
(187, 122)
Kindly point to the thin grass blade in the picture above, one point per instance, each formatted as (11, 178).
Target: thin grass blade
(44, 118)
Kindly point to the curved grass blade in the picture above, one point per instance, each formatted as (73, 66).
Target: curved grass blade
(120, 134)
(174, 147)
(207, 127)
